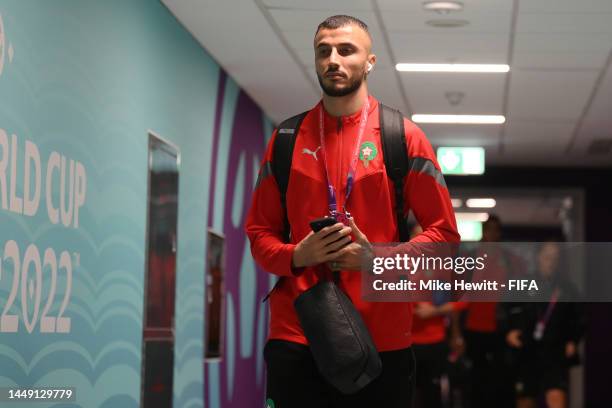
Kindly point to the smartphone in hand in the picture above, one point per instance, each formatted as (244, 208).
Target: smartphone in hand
(320, 223)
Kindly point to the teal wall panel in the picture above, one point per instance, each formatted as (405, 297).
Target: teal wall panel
(85, 81)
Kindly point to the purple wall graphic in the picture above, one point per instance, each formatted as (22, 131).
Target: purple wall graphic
(247, 144)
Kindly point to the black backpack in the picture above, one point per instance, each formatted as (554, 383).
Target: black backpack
(394, 154)
(397, 163)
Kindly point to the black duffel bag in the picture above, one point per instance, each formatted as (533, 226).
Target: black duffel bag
(339, 339)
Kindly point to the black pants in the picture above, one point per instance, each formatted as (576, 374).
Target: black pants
(492, 383)
(295, 382)
(541, 367)
(432, 360)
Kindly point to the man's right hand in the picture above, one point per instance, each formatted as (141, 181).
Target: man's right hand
(320, 247)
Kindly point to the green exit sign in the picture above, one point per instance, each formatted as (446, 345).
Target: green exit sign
(470, 230)
(461, 160)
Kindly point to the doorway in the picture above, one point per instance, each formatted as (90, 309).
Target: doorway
(160, 274)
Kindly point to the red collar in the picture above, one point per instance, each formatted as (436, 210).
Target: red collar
(353, 118)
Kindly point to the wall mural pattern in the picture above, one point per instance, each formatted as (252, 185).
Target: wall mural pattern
(80, 86)
(240, 135)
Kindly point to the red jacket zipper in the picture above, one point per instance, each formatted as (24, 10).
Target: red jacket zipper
(339, 191)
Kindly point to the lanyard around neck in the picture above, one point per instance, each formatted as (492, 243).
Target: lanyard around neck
(331, 191)
(551, 305)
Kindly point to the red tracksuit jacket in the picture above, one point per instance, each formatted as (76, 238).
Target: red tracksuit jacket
(432, 330)
(371, 204)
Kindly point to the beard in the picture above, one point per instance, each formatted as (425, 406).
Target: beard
(332, 90)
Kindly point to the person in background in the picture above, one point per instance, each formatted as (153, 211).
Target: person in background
(547, 333)
(491, 380)
(431, 350)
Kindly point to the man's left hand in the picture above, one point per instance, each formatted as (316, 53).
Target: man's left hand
(351, 257)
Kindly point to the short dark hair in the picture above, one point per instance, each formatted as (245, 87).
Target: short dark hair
(342, 20)
(493, 219)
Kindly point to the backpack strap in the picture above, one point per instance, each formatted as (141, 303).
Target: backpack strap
(282, 156)
(396, 158)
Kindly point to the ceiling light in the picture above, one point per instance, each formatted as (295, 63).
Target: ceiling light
(481, 202)
(465, 216)
(407, 67)
(447, 23)
(456, 202)
(459, 119)
(443, 6)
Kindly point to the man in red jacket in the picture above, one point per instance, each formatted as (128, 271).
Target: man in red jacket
(337, 160)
